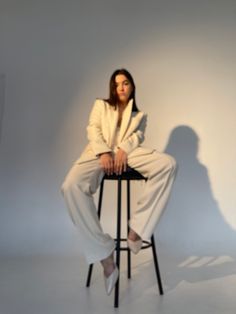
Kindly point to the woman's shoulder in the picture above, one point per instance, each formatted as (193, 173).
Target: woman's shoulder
(139, 113)
(98, 101)
(101, 102)
(98, 104)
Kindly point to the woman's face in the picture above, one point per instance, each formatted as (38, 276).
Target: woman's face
(123, 88)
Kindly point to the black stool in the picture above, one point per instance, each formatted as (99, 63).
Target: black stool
(128, 176)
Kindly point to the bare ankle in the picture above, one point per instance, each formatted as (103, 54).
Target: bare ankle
(108, 265)
(109, 269)
(133, 236)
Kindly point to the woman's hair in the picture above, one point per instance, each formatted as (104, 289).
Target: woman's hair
(113, 97)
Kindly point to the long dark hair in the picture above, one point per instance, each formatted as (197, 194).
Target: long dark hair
(113, 98)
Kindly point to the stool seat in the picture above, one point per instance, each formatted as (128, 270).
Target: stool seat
(129, 175)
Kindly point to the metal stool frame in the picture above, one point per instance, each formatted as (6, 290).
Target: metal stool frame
(128, 176)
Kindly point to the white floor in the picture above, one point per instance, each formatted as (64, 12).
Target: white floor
(56, 284)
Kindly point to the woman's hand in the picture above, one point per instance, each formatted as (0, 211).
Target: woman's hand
(120, 162)
(107, 163)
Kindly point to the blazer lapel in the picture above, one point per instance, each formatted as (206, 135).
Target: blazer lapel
(125, 119)
(111, 124)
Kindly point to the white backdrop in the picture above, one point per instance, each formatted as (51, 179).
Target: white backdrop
(57, 57)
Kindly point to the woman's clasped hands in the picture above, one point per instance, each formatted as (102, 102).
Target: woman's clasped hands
(114, 164)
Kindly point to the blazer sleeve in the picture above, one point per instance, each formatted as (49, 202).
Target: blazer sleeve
(136, 138)
(94, 129)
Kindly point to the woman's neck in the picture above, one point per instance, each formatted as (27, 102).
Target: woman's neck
(122, 105)
(121, 108)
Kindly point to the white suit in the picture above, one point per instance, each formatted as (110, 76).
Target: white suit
(86, 174)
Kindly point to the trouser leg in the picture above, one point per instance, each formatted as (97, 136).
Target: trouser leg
(78, 188)
(160, 170)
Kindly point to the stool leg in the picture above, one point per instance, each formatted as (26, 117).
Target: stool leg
(118, 235)
(99, 215)
(156, 265)
(128, 218)
(89, 275)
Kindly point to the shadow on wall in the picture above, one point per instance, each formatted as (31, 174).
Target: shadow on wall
(193, 224)
(195, 214)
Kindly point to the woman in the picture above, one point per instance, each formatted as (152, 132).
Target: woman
(115, 133)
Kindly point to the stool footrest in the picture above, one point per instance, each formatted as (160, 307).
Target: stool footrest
(146, 244)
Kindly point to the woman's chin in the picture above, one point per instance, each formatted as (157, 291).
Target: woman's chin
(123, 100)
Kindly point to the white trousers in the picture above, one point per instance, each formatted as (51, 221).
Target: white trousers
(82, 182)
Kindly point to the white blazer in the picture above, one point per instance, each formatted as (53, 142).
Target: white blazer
(102, 128)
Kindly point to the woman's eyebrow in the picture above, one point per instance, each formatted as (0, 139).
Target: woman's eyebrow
(122, 81)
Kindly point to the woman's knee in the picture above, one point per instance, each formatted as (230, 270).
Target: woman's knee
(72, 180)
(67, 186)
(86, 181)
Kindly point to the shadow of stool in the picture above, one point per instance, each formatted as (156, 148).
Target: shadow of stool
(129, 175)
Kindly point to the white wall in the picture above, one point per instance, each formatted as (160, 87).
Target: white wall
(57, 57)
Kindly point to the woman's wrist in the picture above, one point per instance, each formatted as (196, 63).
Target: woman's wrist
(105, 153)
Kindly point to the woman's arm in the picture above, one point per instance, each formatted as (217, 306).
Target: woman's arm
(128, 145)
(94, 130)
